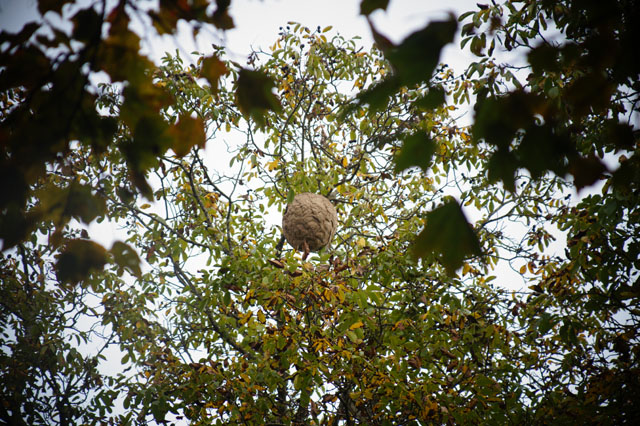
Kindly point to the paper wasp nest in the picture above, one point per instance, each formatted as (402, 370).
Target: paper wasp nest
(311, 218)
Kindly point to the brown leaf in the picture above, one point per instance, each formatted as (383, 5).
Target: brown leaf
(212, 69)
(187, 133)
(276, 263)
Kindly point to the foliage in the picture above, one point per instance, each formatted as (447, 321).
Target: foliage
(576, 115)
(38, 130)
(218, 323)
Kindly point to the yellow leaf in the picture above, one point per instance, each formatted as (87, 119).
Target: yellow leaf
(245, 318)
(328, 28)
(345, 162)
(272, 165)
(361, 242)
(466, 268)
(261, 317)
(356, 324)
(523, 269)
(145, 206)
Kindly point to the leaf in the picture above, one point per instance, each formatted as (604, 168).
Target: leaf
(187, 133)
(355, 325)
(45, 6)
(14, 226)
(415, 59)
(431, 100)
(86, 24)
(221, 18)
(126, 257)
(78, 259)
(61, 204)
(368, 6)
(417, 150)
(119, 53)
(212, 69)
(586, 170)
(255, 95)
(545, 323)
(378, 95)
(448, 235)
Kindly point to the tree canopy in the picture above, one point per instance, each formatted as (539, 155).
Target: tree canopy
(409, 316)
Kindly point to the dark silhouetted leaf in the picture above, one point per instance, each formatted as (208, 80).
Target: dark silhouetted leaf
(22, 36)
(368, 6)
(543, 148)
(45, 6)
(78, 259)
(221, 18)
(119, 54)
(140, 182)
(448, 235)
(620, 134)
(433, 99)
(378, 96)
(502, 166)
(544, 57)
(126, 257)
(589, 93)
(14, 226)
(586, 170)
(87, 25)
(415, 59)
(417, 150)
(187, 133)
(16, 191)
(255, 95)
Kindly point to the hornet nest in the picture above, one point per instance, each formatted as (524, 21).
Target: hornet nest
(309, 222)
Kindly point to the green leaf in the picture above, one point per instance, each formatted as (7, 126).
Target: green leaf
(417, 150)
(415, 59)
(126, 257)
(545, 323)
(431, 100)
(378, 96)
(290, 196)
(368, 6)
(448, 235)
(78, 259)
(255, 95)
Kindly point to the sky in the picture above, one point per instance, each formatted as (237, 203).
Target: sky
(257, 22)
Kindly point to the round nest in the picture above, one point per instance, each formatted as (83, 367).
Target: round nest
(310, 218)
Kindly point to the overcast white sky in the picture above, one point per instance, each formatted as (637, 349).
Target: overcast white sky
(257, 22)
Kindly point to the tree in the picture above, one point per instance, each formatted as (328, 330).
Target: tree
(224, 324)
